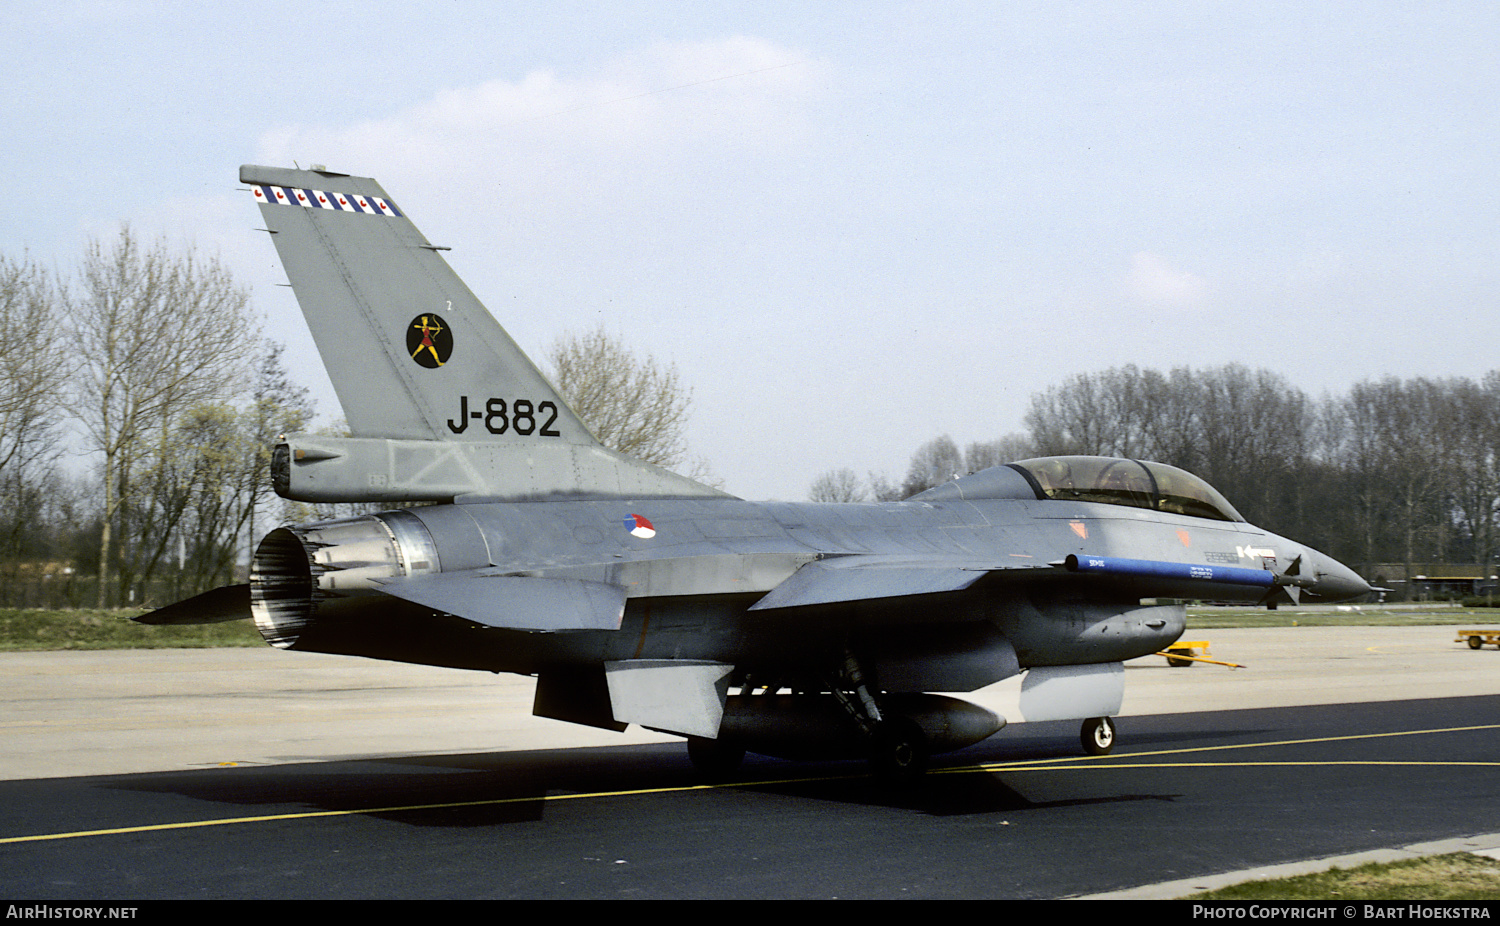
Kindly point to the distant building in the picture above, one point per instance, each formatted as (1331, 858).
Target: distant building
(1427, 581)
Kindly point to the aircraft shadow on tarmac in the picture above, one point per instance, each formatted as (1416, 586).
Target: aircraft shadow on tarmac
(481, 789)
(490, 788)
(497, 788)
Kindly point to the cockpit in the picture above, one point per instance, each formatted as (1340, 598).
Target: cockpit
(1132, 483)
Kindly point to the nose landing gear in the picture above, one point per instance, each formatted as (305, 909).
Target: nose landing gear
(1098, 736)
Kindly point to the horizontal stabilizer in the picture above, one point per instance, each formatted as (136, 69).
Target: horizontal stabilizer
(516, 602)
(865, 578)
(230, 603)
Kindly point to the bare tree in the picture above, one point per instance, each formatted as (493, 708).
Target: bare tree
(188, 501)
(157, 332)
(1124, 412)
(632, 404)
(1070, 418)
(986, 454)
(837, 485)
(935, 462)
(885, 490)
(1475, 439)
(277, 406)
(33, 367)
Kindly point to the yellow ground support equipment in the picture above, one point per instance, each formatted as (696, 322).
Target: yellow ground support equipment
(1478, 638)
(1186, 652)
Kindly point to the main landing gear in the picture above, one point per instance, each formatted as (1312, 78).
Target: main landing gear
(898, 750)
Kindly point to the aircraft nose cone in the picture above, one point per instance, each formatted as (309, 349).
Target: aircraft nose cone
(1337, 582)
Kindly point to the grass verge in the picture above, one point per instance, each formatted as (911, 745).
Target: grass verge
(31, 630)
(1210, 618)
(1460, 876)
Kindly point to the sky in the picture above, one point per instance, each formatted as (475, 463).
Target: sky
(852, 227)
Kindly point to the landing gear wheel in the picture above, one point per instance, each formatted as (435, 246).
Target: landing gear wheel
(714, 760)
(1098, 736)
(1475, 643)
(899, 751)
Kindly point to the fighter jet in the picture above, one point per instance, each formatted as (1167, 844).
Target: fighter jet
(635, 595)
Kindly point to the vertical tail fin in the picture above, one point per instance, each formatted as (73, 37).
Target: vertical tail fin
(412, 353)
(416, 358)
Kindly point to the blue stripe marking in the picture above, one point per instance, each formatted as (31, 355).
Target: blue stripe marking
(1147, 568)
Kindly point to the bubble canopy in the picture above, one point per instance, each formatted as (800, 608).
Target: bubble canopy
(1132, 483)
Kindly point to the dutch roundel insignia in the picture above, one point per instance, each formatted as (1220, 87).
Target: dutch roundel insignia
(639, 527)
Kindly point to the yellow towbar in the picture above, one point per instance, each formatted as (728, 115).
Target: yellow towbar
(1186, 652)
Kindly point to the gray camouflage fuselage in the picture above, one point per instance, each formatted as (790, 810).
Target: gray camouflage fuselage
(698, 588)
(636, 595)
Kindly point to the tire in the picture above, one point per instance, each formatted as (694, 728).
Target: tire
(1098, 736)
(714, 760)
(899, 751)
(1475, 642)
(1179, 663)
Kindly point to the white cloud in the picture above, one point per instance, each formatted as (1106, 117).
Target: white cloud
(1154, 282)
(654, 107)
